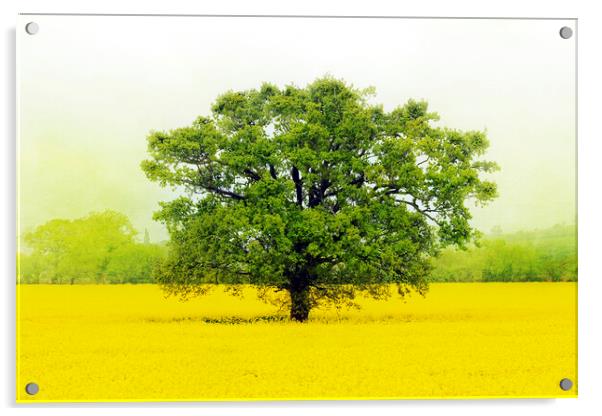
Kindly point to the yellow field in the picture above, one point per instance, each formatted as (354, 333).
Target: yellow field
(122, 342)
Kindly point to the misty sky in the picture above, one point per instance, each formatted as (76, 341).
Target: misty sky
(91, 88)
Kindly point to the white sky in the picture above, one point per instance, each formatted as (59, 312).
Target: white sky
(91, 88)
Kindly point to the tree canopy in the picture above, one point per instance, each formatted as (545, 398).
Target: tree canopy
(314, 191)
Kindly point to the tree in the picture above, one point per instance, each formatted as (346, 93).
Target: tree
(146, 236)
(133, 263)
(77, 250)
(314, 191)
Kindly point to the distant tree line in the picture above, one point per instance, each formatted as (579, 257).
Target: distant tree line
(541, 255)
(99, 248)
(102, 248)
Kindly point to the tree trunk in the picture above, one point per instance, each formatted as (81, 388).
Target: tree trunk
(300, 305)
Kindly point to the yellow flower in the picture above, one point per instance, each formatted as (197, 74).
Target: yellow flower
(127, 342)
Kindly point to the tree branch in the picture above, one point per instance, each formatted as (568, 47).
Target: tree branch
(251, 174)
(428, 159)
(273, 171)
(425, 212)
(223, 192)
(298, 185)
(359, 181)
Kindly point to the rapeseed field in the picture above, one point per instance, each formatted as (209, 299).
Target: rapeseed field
(127, 342)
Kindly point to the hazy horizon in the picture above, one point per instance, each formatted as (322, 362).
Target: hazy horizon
(87, 102)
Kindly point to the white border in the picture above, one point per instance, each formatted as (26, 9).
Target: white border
(590, 173)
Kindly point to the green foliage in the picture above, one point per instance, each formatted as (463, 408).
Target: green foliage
(134, 263)
(542, 255)
(314, 191)
(99, 248)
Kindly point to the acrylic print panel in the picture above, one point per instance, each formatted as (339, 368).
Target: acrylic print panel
(271, 208)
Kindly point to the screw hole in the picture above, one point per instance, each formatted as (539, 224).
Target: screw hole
(32, 28)
(32, 389)
(566, 384)
(566, 32)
